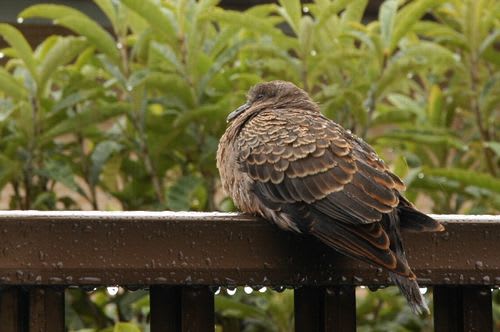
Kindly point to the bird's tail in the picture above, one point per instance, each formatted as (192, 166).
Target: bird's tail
(411, 291)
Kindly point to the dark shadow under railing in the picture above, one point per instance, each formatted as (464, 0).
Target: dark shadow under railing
(178, 256)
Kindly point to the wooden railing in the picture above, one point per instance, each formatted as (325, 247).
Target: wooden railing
(178, 256)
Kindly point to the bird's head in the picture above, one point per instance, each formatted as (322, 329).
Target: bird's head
(273, 94)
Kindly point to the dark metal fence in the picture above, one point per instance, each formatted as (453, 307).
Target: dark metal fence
(178, 256)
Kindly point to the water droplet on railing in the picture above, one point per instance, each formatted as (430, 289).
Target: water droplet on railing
(423, 290)
(112, 290)
(231, 291)
(479, 265)
(248, 290)
(278, 289)
(217, 291)
(263, 290)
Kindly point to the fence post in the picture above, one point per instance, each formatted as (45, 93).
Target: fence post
(46, 309)
(197, 309)
(13, 309)
(325, 309)
(463, 308)
(182, 309)
(165, 302)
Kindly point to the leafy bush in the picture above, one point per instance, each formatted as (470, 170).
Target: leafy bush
(131, 119)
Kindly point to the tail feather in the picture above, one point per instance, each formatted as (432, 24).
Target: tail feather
(411, 291)
(415, 221)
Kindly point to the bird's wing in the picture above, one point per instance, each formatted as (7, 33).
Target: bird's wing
(297, 157)
(329, 182)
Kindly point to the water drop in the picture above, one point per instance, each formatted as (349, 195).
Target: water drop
(112, 290)
(357, 279)
(217, 291)
(231, 291)
(248, 290)
(305, 9)
(20, 20)
(279, 289)
(263, 290)
(423, 290)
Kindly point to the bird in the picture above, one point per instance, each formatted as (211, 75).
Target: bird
(281, 159)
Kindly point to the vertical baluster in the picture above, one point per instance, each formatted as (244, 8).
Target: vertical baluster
(165, 304)
(340, 309)
(46, 309)
(462, 309)
(477, 309)
(308, 308)
(197, 309)
(320, 309)
(13, 310)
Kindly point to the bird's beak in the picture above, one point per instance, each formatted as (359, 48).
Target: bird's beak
(238, 111)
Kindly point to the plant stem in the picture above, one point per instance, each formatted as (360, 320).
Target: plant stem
(86, 172)
(474, 105)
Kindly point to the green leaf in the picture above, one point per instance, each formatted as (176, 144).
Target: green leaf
(100, 156)
(154, 15)
(354, 11)
(413, 58)
(186, 193)
(75, 98)
(60, 172)
(9, 170)
(126, 327)
(408, 16)
(467, 177)
(23, 50)
(63, 52)
(79, 23)
(231, 308)
(167, 53)
(333, 8)
(291, 10)
(306, 36)
(440, 33)
(84, 119)
(435, 110)
(386, 17)
(425, 138)
(10, 86)
(109, 8)
(495, 146)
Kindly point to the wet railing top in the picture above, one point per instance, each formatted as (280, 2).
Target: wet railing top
(145, 248)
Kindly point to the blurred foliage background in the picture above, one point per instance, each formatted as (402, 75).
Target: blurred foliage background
(130, 119)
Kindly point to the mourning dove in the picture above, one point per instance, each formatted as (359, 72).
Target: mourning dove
(281, 159)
